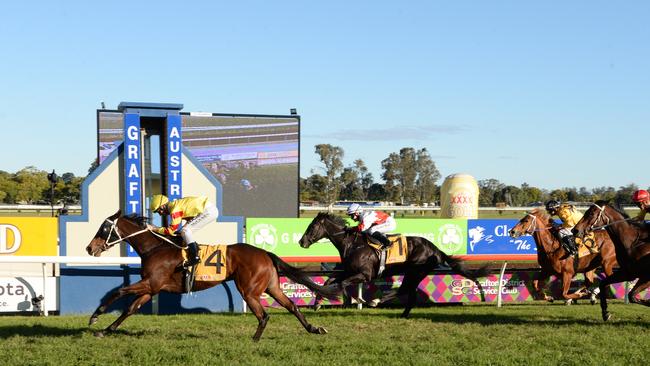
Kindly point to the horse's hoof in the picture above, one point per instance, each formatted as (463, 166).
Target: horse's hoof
(607, 316)
(373, 303)
(99, 334)
(322, 330)
(317, 307)
(592, 301)
(92, 320)
(568, 302)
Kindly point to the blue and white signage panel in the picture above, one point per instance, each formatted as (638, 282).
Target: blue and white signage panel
(132, 164)
(491, 237)
(174, 143)
(132, 168)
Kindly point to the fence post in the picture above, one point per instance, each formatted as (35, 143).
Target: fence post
(500, 288)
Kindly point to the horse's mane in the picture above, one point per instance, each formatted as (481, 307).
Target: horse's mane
(338, 220)
(137, 219)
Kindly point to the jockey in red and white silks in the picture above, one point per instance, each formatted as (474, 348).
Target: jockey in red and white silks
(374, 223)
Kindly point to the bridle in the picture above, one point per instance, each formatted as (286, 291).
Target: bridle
(532, 226)
(605, 219)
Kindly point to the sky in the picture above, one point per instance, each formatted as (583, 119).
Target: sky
(553, 94)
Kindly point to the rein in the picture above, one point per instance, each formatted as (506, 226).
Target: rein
(120, 239)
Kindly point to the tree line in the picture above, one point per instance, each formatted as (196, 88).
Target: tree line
(31, 186)
(411, 177)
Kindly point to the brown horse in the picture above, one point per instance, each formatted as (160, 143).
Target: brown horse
(361, 262)
(554, 260)
(254, 271)
(632, 245)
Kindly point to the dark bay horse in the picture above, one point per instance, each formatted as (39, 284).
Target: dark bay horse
(632, 245)
(361, 262)
(554, 260)
(254, 271)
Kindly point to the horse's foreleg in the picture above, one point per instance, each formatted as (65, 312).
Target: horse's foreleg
(604, 284)
(566, 285)
(539, 282)
(135, 306)
(354, 280)
(136, 288)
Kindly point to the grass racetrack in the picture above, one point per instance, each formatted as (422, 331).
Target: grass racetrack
(517, 334)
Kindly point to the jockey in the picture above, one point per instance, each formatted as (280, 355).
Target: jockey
(374, 223)
(642, 199)
(570, 217)
(198, 211)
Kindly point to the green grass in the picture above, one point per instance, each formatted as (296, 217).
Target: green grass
(531, 334)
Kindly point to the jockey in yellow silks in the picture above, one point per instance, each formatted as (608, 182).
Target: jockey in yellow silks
(570, 217)
(198, 211)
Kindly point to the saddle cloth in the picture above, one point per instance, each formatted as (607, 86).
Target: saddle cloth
(398, 250)
(587, 245)
(212, 266)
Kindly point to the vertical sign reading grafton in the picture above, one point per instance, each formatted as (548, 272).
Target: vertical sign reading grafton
(174, 184)
(132, 171)
(132, 168)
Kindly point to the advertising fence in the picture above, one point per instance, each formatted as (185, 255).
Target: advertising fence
(485, 239)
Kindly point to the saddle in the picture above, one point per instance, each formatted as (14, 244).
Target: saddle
(398, 250)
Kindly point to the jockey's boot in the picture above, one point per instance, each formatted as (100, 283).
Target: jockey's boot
(385, 243)
(192, 254)
(569, 244)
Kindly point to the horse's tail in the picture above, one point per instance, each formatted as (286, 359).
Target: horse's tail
(458, 265)
(301, 277)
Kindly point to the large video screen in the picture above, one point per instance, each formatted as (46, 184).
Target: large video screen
(255, 157)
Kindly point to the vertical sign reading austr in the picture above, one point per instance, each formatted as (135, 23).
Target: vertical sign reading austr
(174, 143)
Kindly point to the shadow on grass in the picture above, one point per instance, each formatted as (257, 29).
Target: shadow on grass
(40, 331)
(492, 318)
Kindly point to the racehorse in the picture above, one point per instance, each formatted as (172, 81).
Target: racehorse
(632, 245)
(554, 260)
(254, 271)
(361, 261)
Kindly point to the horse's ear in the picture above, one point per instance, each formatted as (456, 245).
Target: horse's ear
(116, 215)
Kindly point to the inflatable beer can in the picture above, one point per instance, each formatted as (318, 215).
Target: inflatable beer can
(459, 197)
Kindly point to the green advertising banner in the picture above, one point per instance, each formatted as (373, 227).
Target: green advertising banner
(281, 236)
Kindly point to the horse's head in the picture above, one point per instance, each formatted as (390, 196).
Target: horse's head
(533, 221)
(597, 215)
(105, 237)
(323, 225)
(315, 231)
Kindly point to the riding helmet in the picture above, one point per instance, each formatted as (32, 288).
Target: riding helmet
(158, 200)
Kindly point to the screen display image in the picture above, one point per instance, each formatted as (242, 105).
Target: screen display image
(254, 157)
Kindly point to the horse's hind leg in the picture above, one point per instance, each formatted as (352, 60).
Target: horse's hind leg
(258, 310)
(409, 286)
(283, 300)
(135, 306)
(640, 285)
(318, 298)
